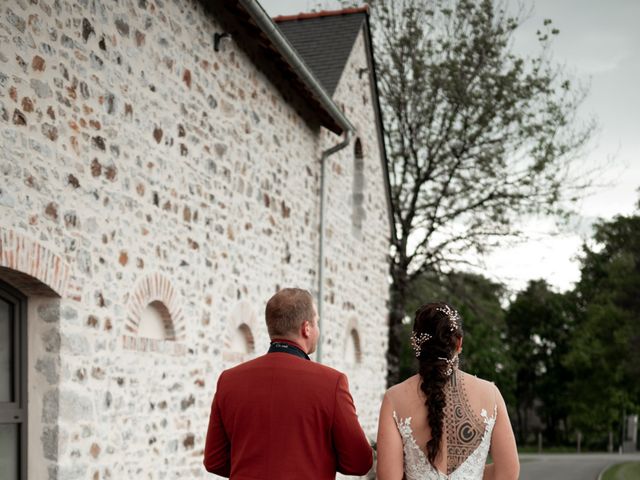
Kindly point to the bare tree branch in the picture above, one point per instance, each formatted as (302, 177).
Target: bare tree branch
(476, 135)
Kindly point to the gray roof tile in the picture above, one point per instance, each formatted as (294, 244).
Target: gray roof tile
(324, 43)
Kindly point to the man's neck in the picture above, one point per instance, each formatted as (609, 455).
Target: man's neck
(295, 342)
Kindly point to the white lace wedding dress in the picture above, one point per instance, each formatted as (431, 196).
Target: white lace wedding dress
(466, 435)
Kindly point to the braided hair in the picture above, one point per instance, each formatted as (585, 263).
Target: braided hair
(438, 328)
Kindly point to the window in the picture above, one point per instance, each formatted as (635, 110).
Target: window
(13, 391)
(358, 213)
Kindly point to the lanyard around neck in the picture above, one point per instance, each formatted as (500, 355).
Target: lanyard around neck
(283, 347)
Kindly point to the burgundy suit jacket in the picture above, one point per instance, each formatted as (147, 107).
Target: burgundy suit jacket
(280, 416)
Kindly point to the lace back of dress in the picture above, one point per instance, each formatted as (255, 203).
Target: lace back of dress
(463, 427)
(467, 428)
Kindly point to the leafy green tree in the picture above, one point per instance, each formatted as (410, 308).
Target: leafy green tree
(605, 354)
(540, 324)
(476, 135)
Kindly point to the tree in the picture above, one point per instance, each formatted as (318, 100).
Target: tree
(540, 325)
(605, 354)
(476, 136)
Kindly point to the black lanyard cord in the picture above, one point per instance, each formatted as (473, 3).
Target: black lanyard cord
(282, 347)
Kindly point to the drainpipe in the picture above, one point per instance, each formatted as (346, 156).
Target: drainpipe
(323, 202)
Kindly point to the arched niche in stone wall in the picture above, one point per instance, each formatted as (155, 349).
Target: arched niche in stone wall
(156, 322)
(352, 345)
(155, 319)
(242, 340)
(239, 340)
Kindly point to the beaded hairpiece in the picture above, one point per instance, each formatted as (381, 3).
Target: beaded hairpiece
(454, 324)
(417, 341)
(452, 364)
(452, 315)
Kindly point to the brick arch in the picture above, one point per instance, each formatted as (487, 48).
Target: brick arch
(34, 269)
(157, 288)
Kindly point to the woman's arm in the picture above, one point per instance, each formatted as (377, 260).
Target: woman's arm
(390, 464)
(504, 452)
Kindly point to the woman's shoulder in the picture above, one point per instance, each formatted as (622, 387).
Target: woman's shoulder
(400, 390)
(477, 381)
(480, 387)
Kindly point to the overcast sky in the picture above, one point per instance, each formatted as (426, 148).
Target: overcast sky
(599, 42)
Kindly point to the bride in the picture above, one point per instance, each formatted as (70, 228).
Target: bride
(442, 423)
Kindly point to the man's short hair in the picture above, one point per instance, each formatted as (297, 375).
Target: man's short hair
(287, 310)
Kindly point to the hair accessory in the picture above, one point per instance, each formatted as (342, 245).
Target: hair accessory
(454, 317)
(452, 364)
(418, 340)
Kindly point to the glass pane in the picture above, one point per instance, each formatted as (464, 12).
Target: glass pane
(9, 449)
(6, 352)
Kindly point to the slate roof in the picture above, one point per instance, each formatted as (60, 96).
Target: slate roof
(324, 40)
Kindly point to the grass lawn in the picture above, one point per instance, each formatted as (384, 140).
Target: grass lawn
(623, 471)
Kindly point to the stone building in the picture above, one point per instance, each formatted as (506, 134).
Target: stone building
(165, 167)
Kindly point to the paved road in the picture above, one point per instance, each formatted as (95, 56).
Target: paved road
(584, 466)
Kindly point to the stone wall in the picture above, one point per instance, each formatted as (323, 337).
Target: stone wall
(155, 169)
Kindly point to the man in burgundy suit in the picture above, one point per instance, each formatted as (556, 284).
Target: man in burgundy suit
(282, 416)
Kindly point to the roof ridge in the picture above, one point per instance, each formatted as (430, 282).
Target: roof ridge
(322, 13)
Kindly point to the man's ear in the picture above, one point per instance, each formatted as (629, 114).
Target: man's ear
(306, 329)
